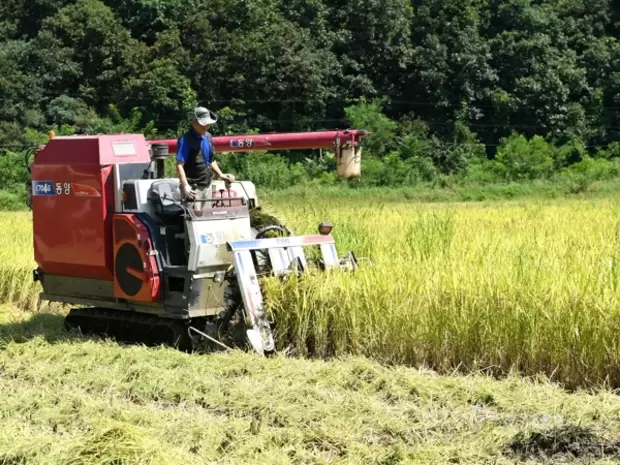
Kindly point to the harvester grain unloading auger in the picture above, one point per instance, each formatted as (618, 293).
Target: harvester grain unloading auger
(113, 236)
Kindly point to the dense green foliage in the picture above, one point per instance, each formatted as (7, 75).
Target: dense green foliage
(455, 91)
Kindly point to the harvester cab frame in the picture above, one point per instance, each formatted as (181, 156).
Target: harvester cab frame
(114, 236)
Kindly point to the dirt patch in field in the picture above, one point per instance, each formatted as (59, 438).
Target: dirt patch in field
(567, 441)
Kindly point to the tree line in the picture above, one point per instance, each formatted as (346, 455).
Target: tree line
(488, 89)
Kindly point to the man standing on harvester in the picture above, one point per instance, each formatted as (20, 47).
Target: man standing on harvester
(196, 158)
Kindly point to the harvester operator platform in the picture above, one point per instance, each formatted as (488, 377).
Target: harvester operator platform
(196, 158)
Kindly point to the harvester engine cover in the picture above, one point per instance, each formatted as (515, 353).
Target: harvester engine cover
(114, 237)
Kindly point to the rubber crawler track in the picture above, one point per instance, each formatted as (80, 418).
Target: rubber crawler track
(129, 327)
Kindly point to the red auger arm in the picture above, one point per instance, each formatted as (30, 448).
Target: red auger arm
(343, 142)
(280, 141)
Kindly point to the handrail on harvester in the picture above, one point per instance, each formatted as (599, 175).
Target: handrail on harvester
(280, 141)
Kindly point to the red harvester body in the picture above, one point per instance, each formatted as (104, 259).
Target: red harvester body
(113, 234)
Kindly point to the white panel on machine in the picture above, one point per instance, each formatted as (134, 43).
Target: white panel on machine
(142, 188)
(208, 240)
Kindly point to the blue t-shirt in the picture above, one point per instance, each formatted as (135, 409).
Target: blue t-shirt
(192, 141)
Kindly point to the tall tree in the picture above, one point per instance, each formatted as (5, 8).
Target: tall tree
(451, 77)
(83, 49)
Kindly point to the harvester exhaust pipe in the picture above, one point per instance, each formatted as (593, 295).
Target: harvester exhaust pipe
(159, 154)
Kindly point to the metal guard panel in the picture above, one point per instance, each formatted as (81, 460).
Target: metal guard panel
(208, 241)
(279, 242)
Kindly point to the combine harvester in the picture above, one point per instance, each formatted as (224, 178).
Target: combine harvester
(113, 236)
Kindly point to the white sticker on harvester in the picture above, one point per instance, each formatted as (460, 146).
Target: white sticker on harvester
(123, 149)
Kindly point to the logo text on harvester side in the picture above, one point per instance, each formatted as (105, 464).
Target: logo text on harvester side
(43, 188)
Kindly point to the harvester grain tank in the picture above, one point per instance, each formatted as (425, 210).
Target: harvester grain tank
(113, 237)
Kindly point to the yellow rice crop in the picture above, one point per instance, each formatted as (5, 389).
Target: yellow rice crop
(531, 286)
(17, 260)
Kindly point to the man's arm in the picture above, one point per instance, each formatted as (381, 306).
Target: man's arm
(225, 176)
(182, 152)
(215, 167)
(181, 173)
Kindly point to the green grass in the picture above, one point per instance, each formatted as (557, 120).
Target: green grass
(70, 400)
(453, 191)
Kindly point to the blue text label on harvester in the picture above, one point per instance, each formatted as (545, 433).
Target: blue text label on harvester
(43, 188)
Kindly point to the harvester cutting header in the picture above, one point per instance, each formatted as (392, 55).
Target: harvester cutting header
(113, 235)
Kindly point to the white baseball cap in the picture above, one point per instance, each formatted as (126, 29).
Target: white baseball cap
(203, 116)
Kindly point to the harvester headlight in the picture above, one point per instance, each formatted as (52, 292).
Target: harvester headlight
(325, 228)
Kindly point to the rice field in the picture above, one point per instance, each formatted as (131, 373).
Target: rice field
(72, 401)
(526, 287)
(510, 288)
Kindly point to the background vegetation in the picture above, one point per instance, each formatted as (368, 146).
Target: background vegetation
(458, 92)
(467, 100)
